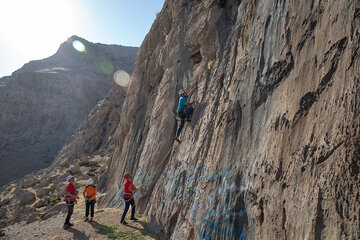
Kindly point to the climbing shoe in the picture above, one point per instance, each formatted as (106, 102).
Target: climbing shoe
(134, 219)
(70, 224)
(66, 226)
(177, 139)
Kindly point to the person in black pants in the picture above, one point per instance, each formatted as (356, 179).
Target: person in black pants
(184, 110)
(89, 194)
(70, 199)
(129, 189)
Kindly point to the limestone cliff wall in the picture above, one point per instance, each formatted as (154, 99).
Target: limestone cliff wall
(272, 151)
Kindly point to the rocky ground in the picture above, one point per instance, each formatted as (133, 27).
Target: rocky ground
(106, 222)
(39, 195)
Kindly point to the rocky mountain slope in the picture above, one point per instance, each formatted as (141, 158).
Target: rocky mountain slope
(44, 102)
(273, 148)
(39, 195)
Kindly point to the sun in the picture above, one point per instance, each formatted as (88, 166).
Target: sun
(35, 29)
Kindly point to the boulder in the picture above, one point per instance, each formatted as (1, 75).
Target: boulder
(65, 163)
(41, 203)
(42, 192)
(53, 211)
(3, 223)
(75, 170)
(3, 212)
(44, 182)
(26, 197)
(20, 213)
(89, 163)
(29, 182)
(33, 217)
(4, 202)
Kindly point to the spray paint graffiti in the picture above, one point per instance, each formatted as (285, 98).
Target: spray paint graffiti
(224, 227)
(218, 216)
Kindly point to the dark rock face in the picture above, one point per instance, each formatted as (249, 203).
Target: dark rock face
(44, 102)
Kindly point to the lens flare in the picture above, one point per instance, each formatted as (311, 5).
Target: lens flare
(78, 46)
(106, 67)
(122, 78)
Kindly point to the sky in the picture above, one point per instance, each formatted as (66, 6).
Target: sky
(34, 29)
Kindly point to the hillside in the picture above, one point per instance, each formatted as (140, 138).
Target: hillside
(45, 101)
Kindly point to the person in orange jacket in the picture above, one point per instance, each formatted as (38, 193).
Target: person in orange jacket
(90, 199)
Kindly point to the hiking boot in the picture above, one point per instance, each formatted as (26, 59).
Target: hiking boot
(134, 219)
(66, 226)
(71, 224)
(177, 139)
(124, 222)
(2, 233)
(91, 219)
(86, 219)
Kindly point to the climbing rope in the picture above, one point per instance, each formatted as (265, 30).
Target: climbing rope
(167, 154)
(158, 166)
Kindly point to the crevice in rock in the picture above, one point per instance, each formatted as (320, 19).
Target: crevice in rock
(310, 98)
(309, 32)
(319, 218)
(305, 104)
(328, 154)
(196, 57)
(283, 219)
(271, 80)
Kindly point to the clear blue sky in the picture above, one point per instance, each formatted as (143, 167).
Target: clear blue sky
(34, 29)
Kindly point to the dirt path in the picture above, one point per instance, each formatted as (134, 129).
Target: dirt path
(107, 221)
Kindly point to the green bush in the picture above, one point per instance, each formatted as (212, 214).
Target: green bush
(125, 235)
(105, 229)
(111, 233)
(54, 199)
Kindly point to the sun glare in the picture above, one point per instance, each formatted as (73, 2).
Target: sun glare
(79, 46)
(122, 78)
(35, 29)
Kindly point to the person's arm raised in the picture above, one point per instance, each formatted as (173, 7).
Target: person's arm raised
(192, 90)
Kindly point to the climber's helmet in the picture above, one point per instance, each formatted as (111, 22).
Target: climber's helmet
(127, 175)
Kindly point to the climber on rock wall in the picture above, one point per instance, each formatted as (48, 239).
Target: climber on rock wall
(184, 109)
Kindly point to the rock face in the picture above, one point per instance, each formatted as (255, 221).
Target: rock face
(272, 151)
(44, 102)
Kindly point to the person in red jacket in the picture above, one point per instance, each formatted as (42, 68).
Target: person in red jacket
(129, 189)
(70, 199)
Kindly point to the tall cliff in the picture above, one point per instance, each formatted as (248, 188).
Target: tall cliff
(272, 151)
(44, 102)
